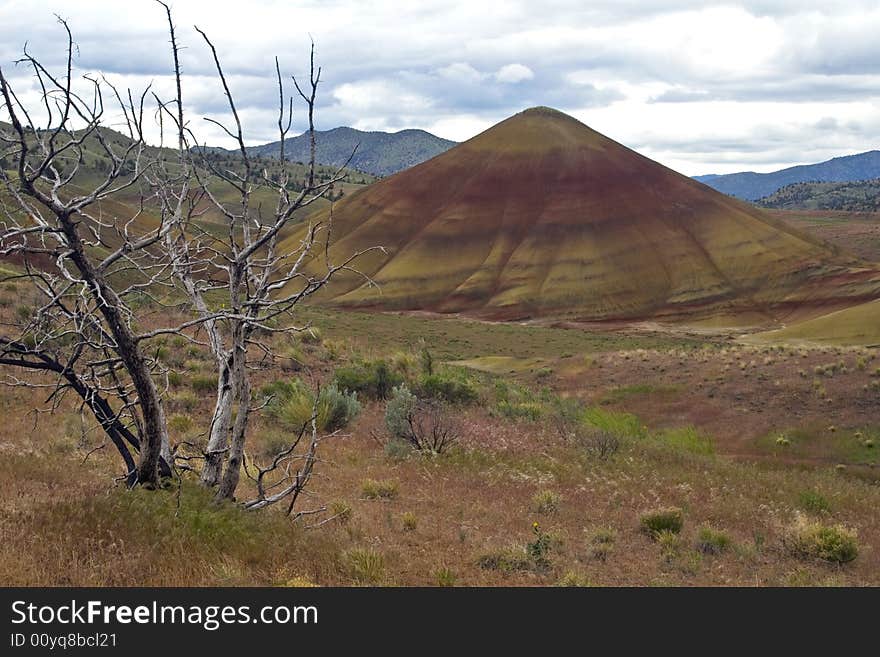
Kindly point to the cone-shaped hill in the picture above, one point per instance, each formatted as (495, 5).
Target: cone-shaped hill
(542, 216)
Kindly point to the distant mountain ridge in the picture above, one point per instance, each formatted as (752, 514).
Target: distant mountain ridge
(856, 196)
(378, 153)
(753, 186)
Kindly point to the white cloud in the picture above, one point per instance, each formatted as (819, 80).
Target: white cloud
(513, 73)
(461, 72)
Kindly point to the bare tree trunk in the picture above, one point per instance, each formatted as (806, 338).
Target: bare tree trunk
(231, 475)
(155, 439)
(218, 441)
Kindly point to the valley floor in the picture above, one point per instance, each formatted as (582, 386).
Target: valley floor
(749, 442)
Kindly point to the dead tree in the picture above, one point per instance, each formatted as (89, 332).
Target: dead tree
(262, 284)
(86, 267)
(82, 266)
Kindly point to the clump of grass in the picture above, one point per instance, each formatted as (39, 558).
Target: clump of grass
(601, 543)
(670, 544)
(507, 560)
(519, 410)
(404, 363)
(711, 540)
(203, 383)
(622, 425)
(687, 439)
(806, 539)
(545, 501)
(274, 442)
(299, 582)
(366, 566)
(183, 400)
(311, 335)
(385, 489)
(294, 404)
(814, 501)
(573, 579)
(341, 510)
(409, 521)
(179, 423)
(445, 577)
(670, 520)
(333, 349)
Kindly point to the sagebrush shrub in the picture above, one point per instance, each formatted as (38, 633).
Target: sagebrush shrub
(425, 425)
(293, 405)
(805, 539)
(447, 388)
(372, 379)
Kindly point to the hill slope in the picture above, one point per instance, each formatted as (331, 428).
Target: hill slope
(752, 186)
(378, 153)
(859, 325)
(857, 196)
(542, 216)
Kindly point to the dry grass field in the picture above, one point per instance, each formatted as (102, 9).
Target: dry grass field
(759, 448)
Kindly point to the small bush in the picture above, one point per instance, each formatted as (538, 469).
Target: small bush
(366, 566)
(545, 501)
(598, 443)
(373, 489)
(669, 519)
(446, 388)
(175, 379)
(814, 501)
(397, 449)
(409, 521)
(712, 541)
(425, 425)
(294, 404)
(804, 539)
(539, 547)
(426, 360)
(373, 380)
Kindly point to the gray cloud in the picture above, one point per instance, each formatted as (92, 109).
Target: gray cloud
(701, 86)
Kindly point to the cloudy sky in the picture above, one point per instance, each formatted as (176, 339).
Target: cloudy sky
(700, 86)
